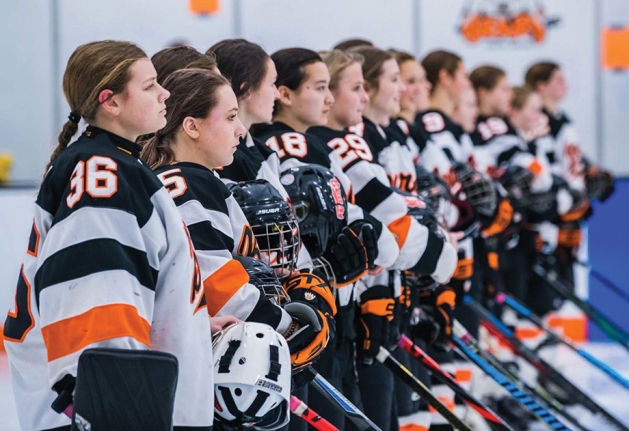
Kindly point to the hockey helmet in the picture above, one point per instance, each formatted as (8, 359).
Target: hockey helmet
(272, 221)
(478, 189)
(252, 377)
(264, 278)
(319, 203)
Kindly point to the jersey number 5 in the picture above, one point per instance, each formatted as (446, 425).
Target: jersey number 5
(175, 184)
(96, 177)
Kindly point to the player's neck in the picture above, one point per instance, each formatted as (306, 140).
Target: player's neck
(114, 127)
(551, 105)
(334, 124)
(408, 115)
(376, 115)
(441, 101)
(291, 121)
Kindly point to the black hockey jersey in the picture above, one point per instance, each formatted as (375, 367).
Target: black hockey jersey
(109, 264)
(219, 229)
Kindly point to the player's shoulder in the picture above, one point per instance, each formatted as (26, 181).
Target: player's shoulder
(187, 181)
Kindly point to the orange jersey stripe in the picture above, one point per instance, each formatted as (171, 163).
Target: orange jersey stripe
(101, 323)
(223, 284)
(399, 228)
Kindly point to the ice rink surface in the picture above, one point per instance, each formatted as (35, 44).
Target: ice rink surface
(603, 390)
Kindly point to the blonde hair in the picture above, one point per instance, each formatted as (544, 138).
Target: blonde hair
(337, 61)
(521, 96)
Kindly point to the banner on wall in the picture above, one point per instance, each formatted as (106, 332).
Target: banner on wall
(499, 21)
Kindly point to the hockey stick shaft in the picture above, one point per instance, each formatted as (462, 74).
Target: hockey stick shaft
(447, 379)
(414, 383)
(335, 397)
(538, 393)
(522, 310)
(606, 281)
(612, 330)
(300, 409)
(542, 366)
(528, 402)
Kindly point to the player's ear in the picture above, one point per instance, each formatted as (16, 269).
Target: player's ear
(444, 77)
(285, 95)
(245, 96)
(190, 128)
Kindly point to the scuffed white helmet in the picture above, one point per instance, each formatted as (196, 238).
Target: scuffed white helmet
(252, 377)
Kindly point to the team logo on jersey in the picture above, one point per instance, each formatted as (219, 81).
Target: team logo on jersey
(499, 21)
(337, 195)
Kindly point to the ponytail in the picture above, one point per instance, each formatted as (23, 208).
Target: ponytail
(157, 152)
(69, 130)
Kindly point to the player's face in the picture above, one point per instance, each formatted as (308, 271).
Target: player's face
(500, 97)
(557, 87)
(262, 99)
(460, 82)
(386, 98)
(312, 101)
(220, 131)
(530, 115)
(142, 107)
(466, 111)
(415, 97)
(350, 97)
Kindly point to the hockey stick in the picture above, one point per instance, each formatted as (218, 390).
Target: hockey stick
(414, 383)
(538, 393)
(335, 397)
(612, 330)
(502, 331)
(526, 400)
(606, 281)
(447, 379)
(502, 298)
(300, 409)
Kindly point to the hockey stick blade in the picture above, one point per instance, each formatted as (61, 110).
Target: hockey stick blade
(542, 366)
(447, 379)
(503, 298)
(300, 409)
(612, 330)
(414, 383)
(335, 397)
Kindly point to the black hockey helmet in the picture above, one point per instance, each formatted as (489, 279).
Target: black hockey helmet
(478, 189)
(272, 221)
(319, 203)
(264, 278)
(517, 182)
(432, 189)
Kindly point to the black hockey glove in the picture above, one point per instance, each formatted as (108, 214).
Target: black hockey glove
(376, 313)
(367, 234)
(348, 257)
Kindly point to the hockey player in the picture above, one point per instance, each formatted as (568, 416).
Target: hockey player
(175, 58)
(109, 263)
(202, 132)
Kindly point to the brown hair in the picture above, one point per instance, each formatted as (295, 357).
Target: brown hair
(352, 43)
(337, 61)
(193, 93)
(374, 60)
(243, 62)
(540, 73)
(291, 68)
(486, 77)
(521, 96)
(401, 56)
(92, 68)
(168, 60)
(437, 61)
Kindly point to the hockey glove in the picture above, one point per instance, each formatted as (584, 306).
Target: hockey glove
(348, 258)
(445, 298)
(365, 231)
(312, 308)
(423, 324)
(376, 313)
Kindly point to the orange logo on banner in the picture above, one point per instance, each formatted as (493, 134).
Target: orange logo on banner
(486, 19)
(203, 7)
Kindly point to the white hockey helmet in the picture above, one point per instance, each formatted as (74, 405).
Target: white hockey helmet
(252, 377)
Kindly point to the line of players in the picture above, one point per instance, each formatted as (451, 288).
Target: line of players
(366, 179)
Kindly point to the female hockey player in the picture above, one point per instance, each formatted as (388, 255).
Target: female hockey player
(109, 263)
(202, 133)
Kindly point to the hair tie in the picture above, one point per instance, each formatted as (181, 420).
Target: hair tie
(74, 117)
